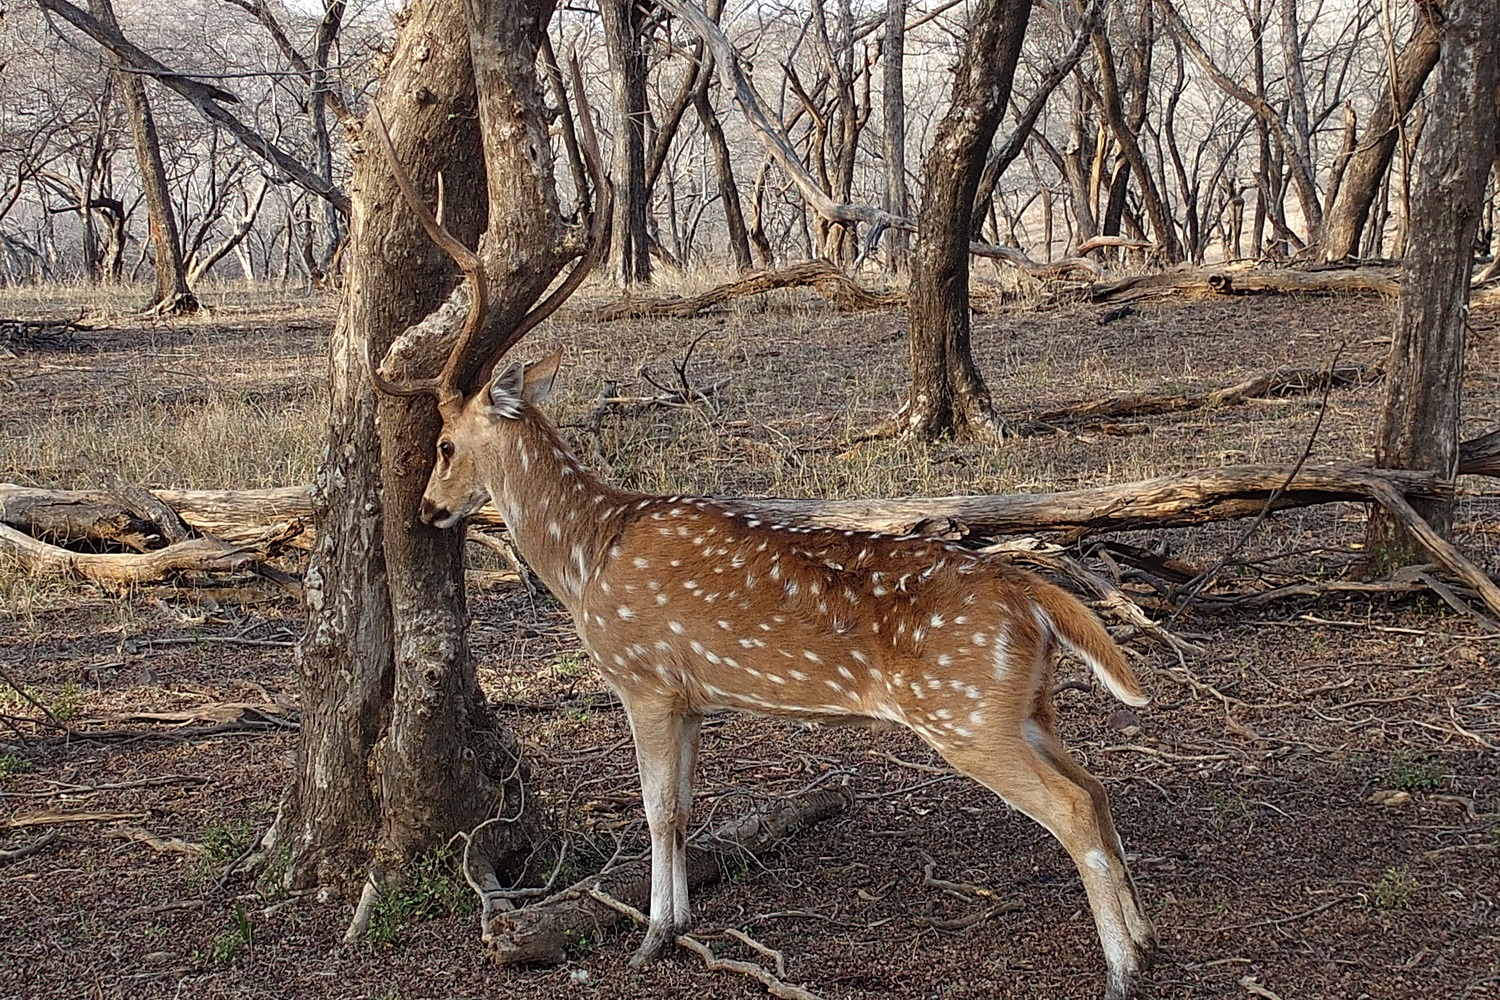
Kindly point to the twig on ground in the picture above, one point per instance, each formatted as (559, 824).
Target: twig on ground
(1278, 921)
(158, 843)
(750, 942)
(1168, 755)
(973, 919)
(963, 890)
(7, 855)
(54, 818)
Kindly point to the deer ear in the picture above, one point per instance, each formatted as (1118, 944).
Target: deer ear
(507, 389)
(540, 377)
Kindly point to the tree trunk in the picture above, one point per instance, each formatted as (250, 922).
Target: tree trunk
(1360, 183)
(729, 191)
(396, 752)
(172, 292)
(1418, 427)
(327, 34)
(623, 27)
(894, 197)
(948, 396)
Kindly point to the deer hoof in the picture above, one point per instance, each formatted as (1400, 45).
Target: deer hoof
(651, 949)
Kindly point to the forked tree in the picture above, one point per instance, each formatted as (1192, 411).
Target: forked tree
(397, 751)
(948, 395)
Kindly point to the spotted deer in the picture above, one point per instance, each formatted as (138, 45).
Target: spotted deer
(690, 606)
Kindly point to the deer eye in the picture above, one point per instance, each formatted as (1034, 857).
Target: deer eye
(445, 448)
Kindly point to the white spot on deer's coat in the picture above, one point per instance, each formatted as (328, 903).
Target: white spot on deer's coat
(676, 627)
(625, 612)
(639, 563)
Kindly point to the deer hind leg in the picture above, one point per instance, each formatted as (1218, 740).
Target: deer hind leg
(1029, 771)
(662, 733)
(1142, 933)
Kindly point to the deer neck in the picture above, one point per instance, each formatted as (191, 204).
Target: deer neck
(562, 517)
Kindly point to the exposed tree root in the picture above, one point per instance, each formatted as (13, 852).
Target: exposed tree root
(542, 932)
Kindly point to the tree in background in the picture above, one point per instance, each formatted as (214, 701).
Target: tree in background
(172, 292)
(948, 395)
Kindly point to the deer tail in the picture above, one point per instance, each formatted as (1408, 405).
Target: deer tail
(1082, 634)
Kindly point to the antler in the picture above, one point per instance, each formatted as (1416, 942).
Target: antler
(445, 385)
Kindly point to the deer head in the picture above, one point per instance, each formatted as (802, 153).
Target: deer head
(456, 487)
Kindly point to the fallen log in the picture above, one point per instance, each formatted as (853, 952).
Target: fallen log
(543, 931)
(1379, 281)
(1188, 498)
(1480, 456)
(1280, 384)
(819, 275)
(123, 569)
(68, 517)
(1181, 500)
(72, 518)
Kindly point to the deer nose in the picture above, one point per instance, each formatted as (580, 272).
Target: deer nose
(429, 511)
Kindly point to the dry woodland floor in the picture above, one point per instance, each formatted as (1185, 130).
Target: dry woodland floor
(1310, 810)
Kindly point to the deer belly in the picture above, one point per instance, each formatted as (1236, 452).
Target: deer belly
(755, 675)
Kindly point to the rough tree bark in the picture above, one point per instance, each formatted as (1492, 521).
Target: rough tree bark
(172, 292)
(397, 752)
(948, 395)
(1418, 426)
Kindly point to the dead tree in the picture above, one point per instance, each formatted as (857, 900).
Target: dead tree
(894, 197)
(1370, 161)
(625, 43)
(1419, 424)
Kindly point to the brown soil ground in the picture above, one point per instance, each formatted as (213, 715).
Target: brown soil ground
(1249, 801)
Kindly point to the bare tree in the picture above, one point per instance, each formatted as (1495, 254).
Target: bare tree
(625, 25)
(172, 292)
(894, 197)
(948, 394)
(1369, 159)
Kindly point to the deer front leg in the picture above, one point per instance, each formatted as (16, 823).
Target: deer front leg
(687, 760)
(659, 752)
